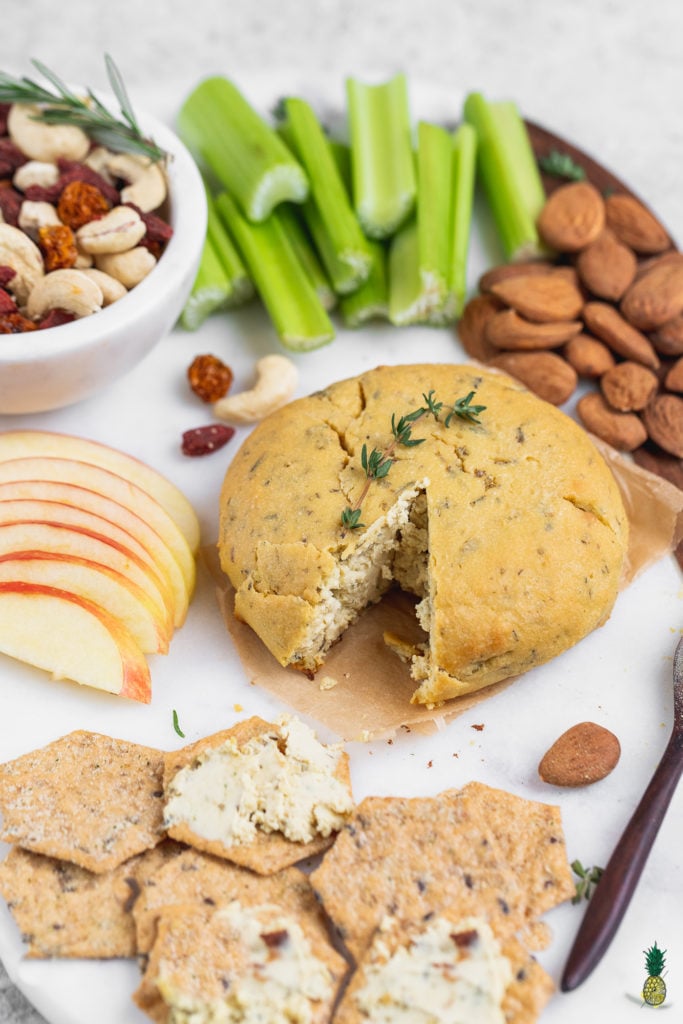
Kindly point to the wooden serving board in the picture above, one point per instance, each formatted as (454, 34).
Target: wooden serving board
(649, 456)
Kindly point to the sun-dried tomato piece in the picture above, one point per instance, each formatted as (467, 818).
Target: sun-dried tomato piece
(58, 246)
(6, 274)
(80, 203)
(204, 440)
(15, 323)
(7, 303)
(55, 318)
(209, 377)
(10, 204)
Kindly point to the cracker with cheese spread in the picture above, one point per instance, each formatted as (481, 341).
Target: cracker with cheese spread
(86, 798)
(262, 795)
(236, 962)
(478, 850)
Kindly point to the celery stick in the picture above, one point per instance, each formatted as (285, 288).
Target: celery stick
(381, 154)
(210, 291)
(464, 173)
(509, 173)
(281, 281)
(328, 212)
(228, 137)
(290, 216)
(406, 304)
(241, 285)
(371, 300)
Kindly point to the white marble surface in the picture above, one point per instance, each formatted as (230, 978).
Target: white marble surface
(607, 74)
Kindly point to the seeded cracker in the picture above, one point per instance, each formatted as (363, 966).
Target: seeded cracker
(63, 910)
(198, 879)
(264, 851)
(86, 798)
(511, 979)
(413, 857)
(238, 963)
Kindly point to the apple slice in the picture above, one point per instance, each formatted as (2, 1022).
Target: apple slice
(74, 541)
(110, 485)
(114, 512)
(160, 560)
(116, 593)
(72, 638)
(15, 444)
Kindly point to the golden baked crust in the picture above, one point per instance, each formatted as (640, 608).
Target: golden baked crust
(515, 528)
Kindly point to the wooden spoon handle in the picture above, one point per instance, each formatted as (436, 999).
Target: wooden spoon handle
(613, 893)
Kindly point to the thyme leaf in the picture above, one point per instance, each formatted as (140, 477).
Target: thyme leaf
(464, 410)
(176, 724)
(588, 879)
(561, 165)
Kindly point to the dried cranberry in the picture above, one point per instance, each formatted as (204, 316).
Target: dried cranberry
(10, 204)
(204, 440)
(11, 154)
(55, 318)
(158, 230)
(7, 303)
(6, 274)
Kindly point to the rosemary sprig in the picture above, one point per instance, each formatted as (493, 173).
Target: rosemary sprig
(561, 165)
(588, 879)
(62, 106)
(377, 463)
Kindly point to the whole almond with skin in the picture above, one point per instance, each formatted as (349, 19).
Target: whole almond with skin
(504, 270)
(668, 339)
(635, 225)
(625, 431)
(545, 373)
(582, 755)
(629, 386)
(472, 324)
(543, 298)
(671, 256)
(509, 331)
(663, 420)
(607, 267)
(588, 356)
(606, 323)
(572, 217)
(674, 378)
(655, 297)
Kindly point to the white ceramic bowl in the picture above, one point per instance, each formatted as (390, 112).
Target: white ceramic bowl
(48, 369)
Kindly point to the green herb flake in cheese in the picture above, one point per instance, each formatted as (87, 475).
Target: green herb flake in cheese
(281, 781)
(455, 974)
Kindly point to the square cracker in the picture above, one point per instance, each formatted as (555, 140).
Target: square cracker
(415, 856)
(269, 852)
(525, 996)
(86, 798)
(203, 956)
(63, 910)
(199, 879)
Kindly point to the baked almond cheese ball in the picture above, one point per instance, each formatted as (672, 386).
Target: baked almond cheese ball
(496, 511)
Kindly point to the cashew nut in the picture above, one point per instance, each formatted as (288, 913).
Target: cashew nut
(147, 181)
(98, 159)
(111, 289)
(33, 216)
(35, 172)
(69, 289)
(24, 257)
(44, 142)
(119, 230)
(129, 267)
(276, 380)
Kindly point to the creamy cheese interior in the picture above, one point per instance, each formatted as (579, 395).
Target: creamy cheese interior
(279, 979)
(450, 973)
(281, 781)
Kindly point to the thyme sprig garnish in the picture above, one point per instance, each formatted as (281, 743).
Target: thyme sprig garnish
(377, 463)
(561, 165)
(588, 879)
(63, 106)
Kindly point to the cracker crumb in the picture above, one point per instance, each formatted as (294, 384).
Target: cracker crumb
(327, 683)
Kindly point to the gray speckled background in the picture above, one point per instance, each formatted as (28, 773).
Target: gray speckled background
(607, 74)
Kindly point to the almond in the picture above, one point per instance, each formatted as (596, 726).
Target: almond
(656, 297)
(471, 326)
(668, 339)
(572, 217)
(635, 225)
(629, 386)
(508, 330)
(607, 267)
(504, 270)
(663, 419)
(625, 431)
(588, 356)
(543, 298)
(607, 324)
(544, 373)
(674, 378)
(582, 755)
(671, 256)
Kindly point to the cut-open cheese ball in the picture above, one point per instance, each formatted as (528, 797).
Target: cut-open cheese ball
(507, 526)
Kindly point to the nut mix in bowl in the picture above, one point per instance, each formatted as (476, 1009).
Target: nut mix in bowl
(46, 367)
